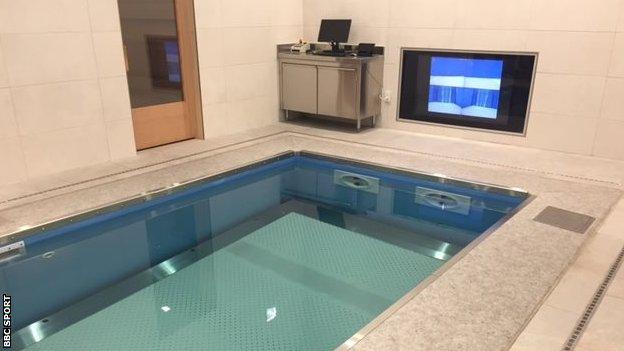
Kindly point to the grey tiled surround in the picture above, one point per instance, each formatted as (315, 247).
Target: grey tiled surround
(480, 303)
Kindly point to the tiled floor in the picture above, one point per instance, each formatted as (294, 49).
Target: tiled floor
(549, 163)
(553, 322)
(147, 160)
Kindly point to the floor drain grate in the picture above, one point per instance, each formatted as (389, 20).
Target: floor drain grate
(581, 325)
(568, 220)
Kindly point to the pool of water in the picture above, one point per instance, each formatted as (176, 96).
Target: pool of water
(297, 252)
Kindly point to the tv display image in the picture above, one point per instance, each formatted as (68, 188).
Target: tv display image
(475, 89)
(461, 86)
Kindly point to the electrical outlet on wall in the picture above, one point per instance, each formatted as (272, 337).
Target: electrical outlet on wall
(385, 96)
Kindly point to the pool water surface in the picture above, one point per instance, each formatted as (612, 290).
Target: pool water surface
(297, 252)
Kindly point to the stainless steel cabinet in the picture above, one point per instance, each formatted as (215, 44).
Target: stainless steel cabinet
(338, 91)
(346, 88)
(299, 91)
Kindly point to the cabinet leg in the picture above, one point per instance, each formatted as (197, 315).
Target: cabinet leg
(285, 115)
(359, 124)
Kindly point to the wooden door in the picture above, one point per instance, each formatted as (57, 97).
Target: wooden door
(161, 65)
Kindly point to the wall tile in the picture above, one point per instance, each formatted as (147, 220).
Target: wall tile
(43, 16)
(555, 132)
(271, 87)
(120, 135)
(8, 126)
(207, 13)
(213, 88)
(571, 52)
(40, 59)
(249, 114)
(44, 108)
(47, 58)
(616, 67)
(493, 14)
(109, 54)
(613, 104)
(4, 17)
(362, 12)
(245, 13)
(286, 12)
(257, 45)
(4, 78)
(496, 40)
(365, 34)
(157, 10)
(423, 13)
(285, 35)
(12, 161)
(417, 38)
(65, 149)
(575, 15)
(369, 13)
(572, 37)
(248, 81)
(115, 98)
(104, 15)
(210, 47)
(609, 139)
(215, 120)
(391, 87)
(315, 10)
(568, 94)
(620, 25)
(310, 33)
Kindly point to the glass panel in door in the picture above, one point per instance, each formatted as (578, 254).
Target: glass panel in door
(150, 37)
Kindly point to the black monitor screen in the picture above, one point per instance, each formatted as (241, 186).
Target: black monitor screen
(485, 90)
(334, 30)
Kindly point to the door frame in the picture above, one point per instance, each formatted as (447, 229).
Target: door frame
(189, 64)
(147, 120)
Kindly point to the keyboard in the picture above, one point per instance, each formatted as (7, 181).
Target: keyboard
(331, 53)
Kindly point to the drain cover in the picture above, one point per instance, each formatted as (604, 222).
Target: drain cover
(568, 220)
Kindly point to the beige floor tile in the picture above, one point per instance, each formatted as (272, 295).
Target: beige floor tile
(614, 224)
(548, 330)
(575, 289)
(616, 289)
(599, 252)
(606, 329)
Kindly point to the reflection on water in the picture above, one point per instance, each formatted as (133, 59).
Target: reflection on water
(317, 248)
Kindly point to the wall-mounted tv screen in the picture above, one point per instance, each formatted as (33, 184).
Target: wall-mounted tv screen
(470, 89)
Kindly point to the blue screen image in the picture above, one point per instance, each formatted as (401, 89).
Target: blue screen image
(467, 87)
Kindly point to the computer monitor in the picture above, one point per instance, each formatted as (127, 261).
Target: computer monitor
(334, 31)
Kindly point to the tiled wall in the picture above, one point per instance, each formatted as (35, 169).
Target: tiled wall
(63, 95)
(63, 92)
(64, 98)
(578, 103)
(238, 69)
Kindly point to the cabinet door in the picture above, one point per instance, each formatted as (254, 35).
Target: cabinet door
(338, 90)
(299, 87)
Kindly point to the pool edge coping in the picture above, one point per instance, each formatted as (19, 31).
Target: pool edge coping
(176, 187)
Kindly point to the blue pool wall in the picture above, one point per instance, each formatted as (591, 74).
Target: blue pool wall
(102, 250)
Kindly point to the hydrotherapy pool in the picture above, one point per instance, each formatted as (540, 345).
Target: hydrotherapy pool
(297, 252)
